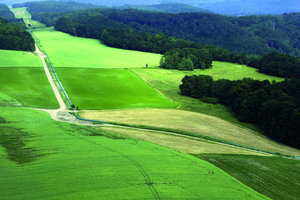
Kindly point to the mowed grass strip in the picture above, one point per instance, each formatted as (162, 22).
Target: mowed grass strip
(109, 89)
(9, 58)
(76, 162)
(192, 122)
(28, 86)
(179, 143)
(68, 51)
(277, 178)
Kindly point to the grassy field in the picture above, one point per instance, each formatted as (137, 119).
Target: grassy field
(232, 71)
(277, 178)
(26, 87)
(193, 122)
(43, 159)
(109, 89)
(168, 81)
(10, 58)
(23, 13)
(68, 51)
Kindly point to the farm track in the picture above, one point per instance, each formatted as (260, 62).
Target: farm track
(64, 114)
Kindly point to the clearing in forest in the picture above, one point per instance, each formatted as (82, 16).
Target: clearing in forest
(23, 13)
(68, 51)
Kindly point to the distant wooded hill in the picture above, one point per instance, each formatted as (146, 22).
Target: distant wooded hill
(5, 13)
(167, 7)
(228, 7)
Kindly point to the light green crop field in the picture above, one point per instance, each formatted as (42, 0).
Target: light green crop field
(9, 58)
(43, 159)
(278, 178)
(192, 122)
(23, 13)
(68, 51)
(109, 89)
(168, 81)
(232, 71)
(26, 87)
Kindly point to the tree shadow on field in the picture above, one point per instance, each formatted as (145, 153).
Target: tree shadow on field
(13, 141)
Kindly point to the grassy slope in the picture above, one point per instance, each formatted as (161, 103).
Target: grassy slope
(109, 89)
(277, 178)
(10, 58)
(193, 122)
(63, 161)
(68, 51)
(168, 81)
(23, 13)
(26, 86)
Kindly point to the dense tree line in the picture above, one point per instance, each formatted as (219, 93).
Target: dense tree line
(248, 34)
(93, 24)
(277, 64)
(15, 37)
(186, 59)
(274, 107)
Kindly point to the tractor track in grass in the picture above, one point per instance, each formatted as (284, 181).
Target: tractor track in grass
(64, 114)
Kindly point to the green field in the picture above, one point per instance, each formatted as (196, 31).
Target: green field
(43, 159)
(168, 81)
(23, 13)
(68, 51)
(277, 178)
(232, 71)
(26, 87)
(109, 89)
(10, 58)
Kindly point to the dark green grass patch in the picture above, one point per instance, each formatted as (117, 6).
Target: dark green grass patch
(109, 89)
(28, 86)
(275, 177)
(78, 166)
(13, 140)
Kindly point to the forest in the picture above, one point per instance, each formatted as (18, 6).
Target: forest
(13, 35)
(249, 34)
(253, 35)
(274, 107)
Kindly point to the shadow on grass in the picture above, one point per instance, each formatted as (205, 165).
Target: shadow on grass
(13, 140)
